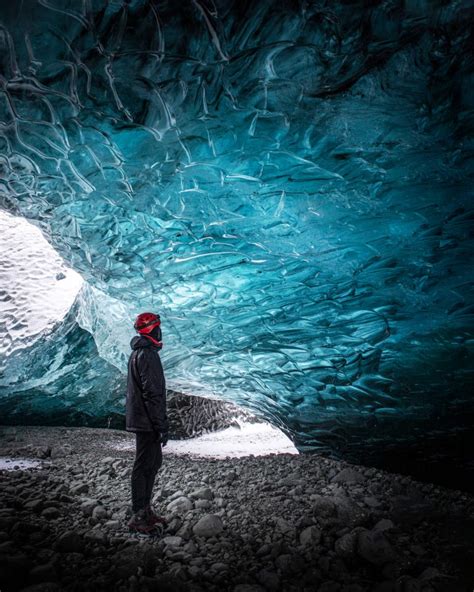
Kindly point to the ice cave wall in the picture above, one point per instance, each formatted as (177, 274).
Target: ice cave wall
(288, 183)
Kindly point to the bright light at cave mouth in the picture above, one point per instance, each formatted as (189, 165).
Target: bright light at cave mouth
(37, 287)
(245, 439)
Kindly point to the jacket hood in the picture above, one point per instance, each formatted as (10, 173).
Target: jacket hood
(138, 342)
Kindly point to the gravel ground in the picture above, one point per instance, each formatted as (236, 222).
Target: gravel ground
(252, 524)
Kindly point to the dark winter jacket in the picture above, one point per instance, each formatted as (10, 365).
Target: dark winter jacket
(146, 392)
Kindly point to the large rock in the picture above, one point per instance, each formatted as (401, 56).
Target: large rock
(310, 536)
(60, 451)
(99, 513)
(348, 476)
(374, 547)
(172, 541)
(175, 495)
(203, 494)
(323, 506)
(180, 505)
(34, 505)
(284, 563)
(345, 546)
(70, 542)
(207, 526)
(42, 451)
(88, 505)
(348, 512)
(284, 526)
(384, 524)
(338, 509)
(96, 536)
(51, 513)
(79, 488)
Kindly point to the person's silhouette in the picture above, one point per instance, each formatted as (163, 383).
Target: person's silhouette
(146, 416)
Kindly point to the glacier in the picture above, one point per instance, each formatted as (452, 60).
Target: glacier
(289, 184)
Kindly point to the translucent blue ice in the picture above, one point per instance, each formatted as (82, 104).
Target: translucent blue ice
(61, 380)
(288, 183)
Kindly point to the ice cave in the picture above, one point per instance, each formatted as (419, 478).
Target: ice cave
(289, 184)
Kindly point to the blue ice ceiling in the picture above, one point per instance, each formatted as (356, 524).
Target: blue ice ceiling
(288, 183)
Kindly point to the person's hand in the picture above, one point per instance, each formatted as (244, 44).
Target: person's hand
(164, 438)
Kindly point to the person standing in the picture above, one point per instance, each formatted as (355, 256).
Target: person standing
(146, 417)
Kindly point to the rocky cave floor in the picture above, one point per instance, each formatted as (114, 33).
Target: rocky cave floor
(278, 523)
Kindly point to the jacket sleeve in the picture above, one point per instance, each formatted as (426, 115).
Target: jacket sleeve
(154, 389)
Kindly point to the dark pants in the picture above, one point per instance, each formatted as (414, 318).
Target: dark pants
(148, 459)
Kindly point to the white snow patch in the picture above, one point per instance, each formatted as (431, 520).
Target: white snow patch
(258, 439)
(18, 464)
(37, 288)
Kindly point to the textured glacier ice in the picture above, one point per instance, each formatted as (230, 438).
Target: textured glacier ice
(61, 380)
(288, 183)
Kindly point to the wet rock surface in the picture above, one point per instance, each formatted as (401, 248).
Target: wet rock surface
(274, 523)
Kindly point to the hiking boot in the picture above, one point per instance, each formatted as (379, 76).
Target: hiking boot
(141, 523)
(154, 518)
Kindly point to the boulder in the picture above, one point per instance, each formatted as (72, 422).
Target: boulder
(60, 451)
(374, 547)
(384, 524)
(96, 536)
(310, 536)
(99, 513)
(323, 507)
(88, 506)
(204, 493)
(79, 488)
(348, 512)
(70, 542)
(348, 476)
(345, 546)
(180, 505)
(284, 563)
(209, 525)
(172, 541)
(283, 526)
(42, 451)
(34, 505)
(50, 513)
